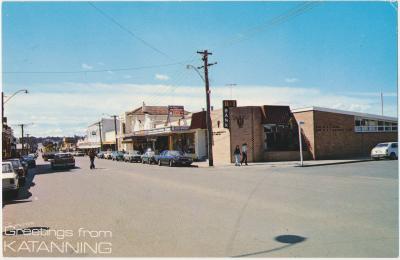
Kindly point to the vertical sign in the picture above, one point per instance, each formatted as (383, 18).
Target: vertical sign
(226, 104)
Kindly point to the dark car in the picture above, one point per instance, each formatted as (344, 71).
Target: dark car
(117, 156)
(132, 156)
(100, 155)
(149, 157)
(29, 160)
(19, 169)
(63, 160)
(174, 158)
(48, 155)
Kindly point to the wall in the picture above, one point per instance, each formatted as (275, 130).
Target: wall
(335, 137)
(221, 139)
(274, 156)
(307, 130)
(249, 131)
(201, 143)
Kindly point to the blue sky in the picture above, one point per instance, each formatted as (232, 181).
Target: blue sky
(334, 54)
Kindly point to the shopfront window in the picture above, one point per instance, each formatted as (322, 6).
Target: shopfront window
(280, 138)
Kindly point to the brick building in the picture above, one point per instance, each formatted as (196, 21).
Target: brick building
(271, 133)
(332, 133)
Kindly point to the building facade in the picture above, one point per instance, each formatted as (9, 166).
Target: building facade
(271, 133)
(160, 128)
(332, 133)
(98, 134)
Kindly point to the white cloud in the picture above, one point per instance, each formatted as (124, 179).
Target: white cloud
(127, 76)
(291, 80)
(73, 106)
(86, 66)
(161, 77)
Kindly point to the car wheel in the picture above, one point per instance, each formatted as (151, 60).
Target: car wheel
(375, 158)
(14, 194)
(392, 156)
(171, 163)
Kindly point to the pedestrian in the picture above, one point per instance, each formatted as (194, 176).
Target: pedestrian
(244, 154)
(236, 153)
(91, 156)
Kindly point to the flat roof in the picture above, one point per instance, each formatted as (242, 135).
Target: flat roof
(331, 110)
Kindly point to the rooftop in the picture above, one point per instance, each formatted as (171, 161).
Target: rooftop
(330, 110)
(151, 110)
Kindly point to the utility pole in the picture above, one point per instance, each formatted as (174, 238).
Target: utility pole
(101, 141)
(382, 103)
(2, 108)
(22, 135)
(205, 54)
(115, 129)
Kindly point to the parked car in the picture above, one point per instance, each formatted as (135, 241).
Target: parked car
(34, 155)
(19, 170)
(149, 157)
(132, 156)
(100, 155)
(48, 155)
(63, 160)
(107, 155)
(78, 153)
(29, 160)
(117, 156)
(385, 150)
(9, 179)
(174, 158)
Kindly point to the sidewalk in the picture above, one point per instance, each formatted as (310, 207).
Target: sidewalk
(310, 163)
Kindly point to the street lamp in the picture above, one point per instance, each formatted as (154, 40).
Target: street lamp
(197, 70)
(300, 143)
(8, 99)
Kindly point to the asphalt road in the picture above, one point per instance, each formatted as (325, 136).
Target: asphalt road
(348, 210)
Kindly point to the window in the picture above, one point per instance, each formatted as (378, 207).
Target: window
(394, 145)
(370, 125)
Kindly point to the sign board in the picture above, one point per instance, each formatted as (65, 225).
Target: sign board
(176, 111)
(226, 104)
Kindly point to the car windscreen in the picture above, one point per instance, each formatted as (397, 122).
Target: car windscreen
(176, 153)
(382, 145)
(15, 163)
(7, 168)
(63, 156)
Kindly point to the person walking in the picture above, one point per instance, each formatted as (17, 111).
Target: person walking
(236, 153)
(244, 154)
(91, 156)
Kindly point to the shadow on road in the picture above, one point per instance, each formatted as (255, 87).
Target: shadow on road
(289, 240)
(46, 169)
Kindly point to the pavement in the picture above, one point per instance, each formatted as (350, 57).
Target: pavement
(308, 163)
(130, 209)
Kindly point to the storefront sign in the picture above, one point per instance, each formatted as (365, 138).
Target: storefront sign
(176, 111)
(226, 104)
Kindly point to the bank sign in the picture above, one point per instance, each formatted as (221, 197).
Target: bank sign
(226, 104)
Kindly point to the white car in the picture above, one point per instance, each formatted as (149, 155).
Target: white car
(107, 155)
(385, 150)
(10, 179)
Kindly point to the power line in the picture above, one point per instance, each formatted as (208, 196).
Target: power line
(110, 18)
(94, 71)
(280, 19)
